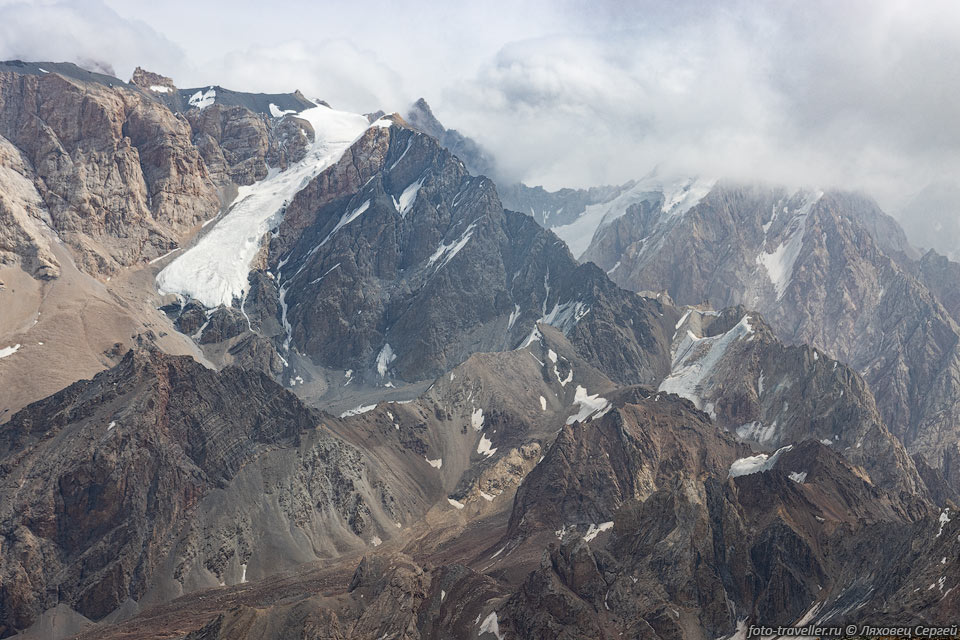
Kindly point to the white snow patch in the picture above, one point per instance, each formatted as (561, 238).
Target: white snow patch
(755, 464)
(277, 112)
(798, 477)
(158, 259)
(590, 406)
(709, 409)
(456, 504)
(543, 403)
(112, 424)
(757, 432)
(345, 219)
(214, 271)
(408, 197)
(498, 553)
(384, 358)
(695, 358)
(490, 625)
(376, 541)
(42, 70)
(243, 573)
(565, 316)
(203, 99)
(448, 251)
(486, 496)
(484, 448)
(325, 274)
(534, 336)
(740, 633)
(436, 464)
(596, 529)
(358, 410)
(407, 148)
(944, 519)
(476, 419)
(443, 594)
(9, 351)
(779, 264)
(552, 355)
(159, 88)
(513, 316)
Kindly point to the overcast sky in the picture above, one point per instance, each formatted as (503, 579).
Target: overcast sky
(853, 94)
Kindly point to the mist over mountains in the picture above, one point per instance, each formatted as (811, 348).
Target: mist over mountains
(860, 95)
(495, 322)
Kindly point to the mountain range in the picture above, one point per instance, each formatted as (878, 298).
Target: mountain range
(271, 369)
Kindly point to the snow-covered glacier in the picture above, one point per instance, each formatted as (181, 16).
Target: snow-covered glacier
(214, 271)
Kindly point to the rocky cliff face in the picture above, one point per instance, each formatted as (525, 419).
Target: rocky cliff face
(158, 477)
(239, 146)
(118, 176)
(23, 217)
(768, 394)
(656, 541)
(428, 267)
(827, 269)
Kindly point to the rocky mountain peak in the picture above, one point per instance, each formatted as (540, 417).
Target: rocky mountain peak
(421, 117)
(150, 81)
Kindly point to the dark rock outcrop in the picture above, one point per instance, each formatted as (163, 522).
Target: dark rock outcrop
(422, 259)
(140, 479)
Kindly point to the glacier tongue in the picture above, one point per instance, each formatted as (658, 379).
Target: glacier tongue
(214, 271)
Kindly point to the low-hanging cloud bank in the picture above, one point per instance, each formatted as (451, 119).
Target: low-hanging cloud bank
(855, 94)
(849, 94)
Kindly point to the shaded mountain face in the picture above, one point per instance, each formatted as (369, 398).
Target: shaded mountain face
(655, 541)
(396, 264)
(160, 477)
(477, 160)
(827, 269)
(776, 541)
(768, 394)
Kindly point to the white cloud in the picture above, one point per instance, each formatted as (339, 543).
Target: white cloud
(851, 94)
(86, 32)
(336, 71)
(862, 94)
